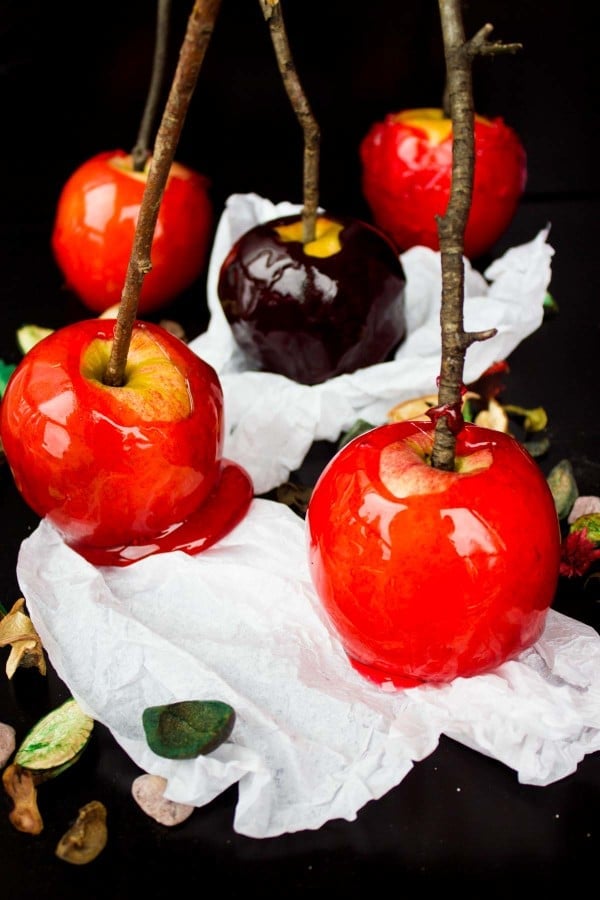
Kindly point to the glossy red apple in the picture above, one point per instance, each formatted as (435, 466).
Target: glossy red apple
(407, 171)
(94, 226)
(121, 472)
(426, 575)
(313, 311)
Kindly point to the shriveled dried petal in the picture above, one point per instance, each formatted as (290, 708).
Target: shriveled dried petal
(7, 743)
(148, 792)
(418, 407)
(584, 506)
(493, 417)
(16, 629)
(561, 481)
(20, 785)
(532, 419)
(30, 335)
(87, 837)
(415, 408)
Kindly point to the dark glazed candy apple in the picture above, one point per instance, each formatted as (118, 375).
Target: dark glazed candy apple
(311, 312)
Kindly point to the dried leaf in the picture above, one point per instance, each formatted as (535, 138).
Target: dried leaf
(550, 305)
(30, 335)
(296, 496)
(533, 420)
(187, 729)
(561, 481)
(6, 370)
(16, 629)
(537, 448)
(20, 785)
(493, 417)
(360, 427)
(86, 838)
(417, 407)
(56, 741)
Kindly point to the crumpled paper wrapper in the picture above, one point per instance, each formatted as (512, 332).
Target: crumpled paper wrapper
(313, 740)
(272, 421)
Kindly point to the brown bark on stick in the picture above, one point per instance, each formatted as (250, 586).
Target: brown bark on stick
(459, 55)
(198, 33)
(141, 149)
(312, 136)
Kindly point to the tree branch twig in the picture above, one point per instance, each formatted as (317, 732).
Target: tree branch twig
(271, 10)
(198, 33)
(459, 54)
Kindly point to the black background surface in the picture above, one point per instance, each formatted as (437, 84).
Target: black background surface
(72, 82)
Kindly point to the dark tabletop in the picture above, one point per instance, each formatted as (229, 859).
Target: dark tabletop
(72, 82)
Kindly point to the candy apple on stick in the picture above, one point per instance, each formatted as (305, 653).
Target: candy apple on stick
(99, 204)
(434, 547)
(406, 172)
(113, 428)
(312, 295)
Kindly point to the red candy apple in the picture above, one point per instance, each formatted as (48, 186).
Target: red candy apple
(427, 574)
(121, 472)
(407, 171)
(94, 227)
(316, 310)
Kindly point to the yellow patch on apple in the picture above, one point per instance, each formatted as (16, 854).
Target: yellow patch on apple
(432, 121)
(327, 240)
(154, 387)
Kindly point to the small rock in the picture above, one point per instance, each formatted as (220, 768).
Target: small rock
(148, 793)
(584, 506)
(7, 743)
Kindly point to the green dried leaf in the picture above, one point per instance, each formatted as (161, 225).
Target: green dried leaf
(359, 427)
(537, 448)
(30, 335)
(188, 728)
(56, 741)
(561, 481)
(533, 420)
(6, 370)
(589, 523)
(550, 305)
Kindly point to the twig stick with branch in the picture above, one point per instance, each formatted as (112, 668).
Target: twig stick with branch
(459, 54)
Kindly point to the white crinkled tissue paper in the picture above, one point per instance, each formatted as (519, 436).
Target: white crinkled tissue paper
(240, 622)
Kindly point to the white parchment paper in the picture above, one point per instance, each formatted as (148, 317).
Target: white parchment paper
(240, 622)
(313, 740)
